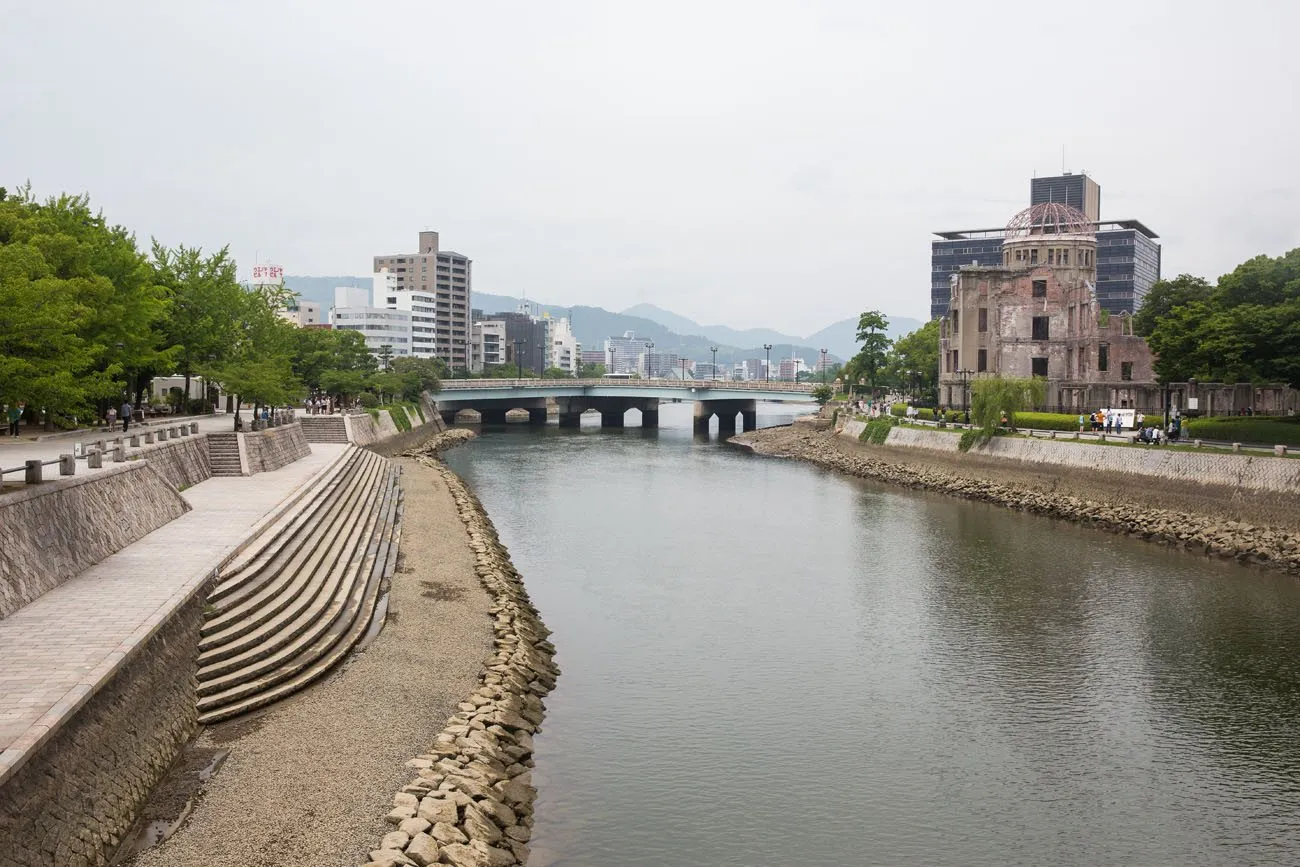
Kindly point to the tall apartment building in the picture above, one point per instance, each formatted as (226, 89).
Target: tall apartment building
(442, 281)
(626, 354)
(565, 350)
(384, 329)
(1128, 253)
(487, 345)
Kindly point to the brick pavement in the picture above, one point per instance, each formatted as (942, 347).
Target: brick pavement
(55, 651)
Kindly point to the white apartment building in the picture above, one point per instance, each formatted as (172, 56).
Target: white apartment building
(301, 313)
(422, 305)
(626, 354)
(487, 344)
(380, 326)
(565, 350)
(439, 282)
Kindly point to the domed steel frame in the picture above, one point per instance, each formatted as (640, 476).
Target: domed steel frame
(1050, 218)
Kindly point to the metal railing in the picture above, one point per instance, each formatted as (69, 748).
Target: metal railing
(691, 385)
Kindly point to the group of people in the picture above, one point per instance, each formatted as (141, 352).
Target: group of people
(319, 406)
(125, 413)
(1109, 421)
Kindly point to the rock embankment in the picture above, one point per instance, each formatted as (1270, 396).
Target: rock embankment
(1273, 547)
(470, 801)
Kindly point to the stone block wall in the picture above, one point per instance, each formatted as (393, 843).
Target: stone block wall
(365, 429)
(52, 531)
(1250, 473)
(183, 462)
(76, 796)
(275, 447)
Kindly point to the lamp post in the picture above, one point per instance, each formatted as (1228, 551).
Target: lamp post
(823, 352)
(767, 347)
(965, 373)
(714, 350)
(649, 345)
(541, 359)
(519, 359)
(683, 360)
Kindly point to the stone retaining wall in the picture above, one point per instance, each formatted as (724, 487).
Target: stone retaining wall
(182, 462)
(275, 447)
(470, 801)
(1246, 472)
(72, 801)
(52, 531)
(367, 430)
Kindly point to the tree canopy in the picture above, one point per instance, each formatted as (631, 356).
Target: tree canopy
(871, 359)
(1246, 328)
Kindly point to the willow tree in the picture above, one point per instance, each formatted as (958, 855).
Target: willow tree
(996, 397)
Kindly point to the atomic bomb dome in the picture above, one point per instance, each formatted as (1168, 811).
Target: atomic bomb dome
(1050, 218)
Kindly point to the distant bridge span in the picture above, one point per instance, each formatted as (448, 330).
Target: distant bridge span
(493, 398)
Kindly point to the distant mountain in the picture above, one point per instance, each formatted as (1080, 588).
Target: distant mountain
(841, 337)
(720, 333)
(671, 332)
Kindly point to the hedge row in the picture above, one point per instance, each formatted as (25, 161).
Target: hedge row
(1244, 429)
(1048, 420)
(877, 429)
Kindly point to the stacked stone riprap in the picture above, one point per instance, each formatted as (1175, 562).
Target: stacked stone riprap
(470, 803)
(1273, 547)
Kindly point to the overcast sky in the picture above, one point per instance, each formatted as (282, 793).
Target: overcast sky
(750, 163)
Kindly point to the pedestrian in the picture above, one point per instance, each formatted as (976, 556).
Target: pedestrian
(127, 409)
(15, 415)
(111, 417)
(1081, 421)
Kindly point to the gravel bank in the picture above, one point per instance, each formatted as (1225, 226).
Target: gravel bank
(310, 780)
(1042, 492)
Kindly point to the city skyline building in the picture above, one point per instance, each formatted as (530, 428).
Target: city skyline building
(442, 280)
(1128, 252)
(380, 326)
(626, 354)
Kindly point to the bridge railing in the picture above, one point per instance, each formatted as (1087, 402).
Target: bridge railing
(700, 384)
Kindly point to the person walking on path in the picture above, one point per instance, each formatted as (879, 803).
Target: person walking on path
(126, 411)
(15, 416)
(111, 417)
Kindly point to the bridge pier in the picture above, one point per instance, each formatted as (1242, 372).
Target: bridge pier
(537, 416)
(448, 416)
(613, 416)
(492, 415)
(650, 417)
(726, 411)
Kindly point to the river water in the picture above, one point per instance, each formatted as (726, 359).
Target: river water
(767, 664)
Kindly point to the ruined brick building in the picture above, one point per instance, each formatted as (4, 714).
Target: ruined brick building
(1036, 314)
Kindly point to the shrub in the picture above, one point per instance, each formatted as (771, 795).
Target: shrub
(1245, 429)
(368, 400)
(877, 429)
(398, 413)
(969, 437)
(1049, 420)
(927, 414)
(898, 409)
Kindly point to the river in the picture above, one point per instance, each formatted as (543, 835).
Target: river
(767, 664)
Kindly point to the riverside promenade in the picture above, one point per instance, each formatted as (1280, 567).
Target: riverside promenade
(59, 647)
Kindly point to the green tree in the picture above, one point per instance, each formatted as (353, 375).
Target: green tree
(917, 352)
(993, 397)
(871, 359)
(1164, 296)
(822, 394)
(591, 370)
(315, 351)
(77, 306)
(556, 373)
(207, 309)
(419, 375)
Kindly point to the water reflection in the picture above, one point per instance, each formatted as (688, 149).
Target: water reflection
(768, 664)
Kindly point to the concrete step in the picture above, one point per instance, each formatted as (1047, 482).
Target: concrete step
(299, 577)
(246, 570)
(324, 429)
(305, 593)
(316, 651)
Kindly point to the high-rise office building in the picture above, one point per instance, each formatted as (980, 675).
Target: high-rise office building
(442, 279)
(1128, 253)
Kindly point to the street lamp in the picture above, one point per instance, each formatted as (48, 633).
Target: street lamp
(714, 350)
(823, 366)
(519, 359)
(541, 358)
(649, 345)
(767, 347)
(965, 373)
(683, 368)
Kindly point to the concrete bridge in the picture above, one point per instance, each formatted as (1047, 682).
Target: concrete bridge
(612, 398)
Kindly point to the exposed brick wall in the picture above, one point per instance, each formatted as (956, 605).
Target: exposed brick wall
(275, 447)
(52, 531)
(70, 804)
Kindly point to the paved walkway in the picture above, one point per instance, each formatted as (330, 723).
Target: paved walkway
(55, 651)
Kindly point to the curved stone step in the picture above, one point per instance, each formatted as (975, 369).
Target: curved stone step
(330, 647)
(243, 570)
(244, 612)
(312, 570)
